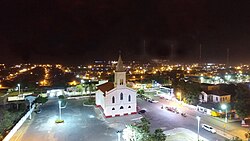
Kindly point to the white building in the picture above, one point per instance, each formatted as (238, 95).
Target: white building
(116, 99)
(215, 96)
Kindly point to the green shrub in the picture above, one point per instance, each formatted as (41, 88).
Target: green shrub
(59, 121)
(41, 99)
(61, 97)
(89, 101)
(140, 91)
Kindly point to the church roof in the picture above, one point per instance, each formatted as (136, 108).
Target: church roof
(119, 66)
(106, 87)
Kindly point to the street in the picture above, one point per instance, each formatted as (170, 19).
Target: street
(162, 118)
(230, 129)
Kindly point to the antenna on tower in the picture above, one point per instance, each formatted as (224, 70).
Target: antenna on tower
(228, 56)
(200, 54)
(144, 57)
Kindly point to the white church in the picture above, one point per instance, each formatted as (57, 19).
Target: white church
(116, 99)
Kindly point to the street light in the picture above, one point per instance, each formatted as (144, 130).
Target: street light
(119, 135)
(18, 88)
(60, 112)
(179, 94)
(198, 118)
(224, 107)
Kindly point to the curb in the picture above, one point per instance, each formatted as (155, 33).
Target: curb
(87, 105)
(99, 113)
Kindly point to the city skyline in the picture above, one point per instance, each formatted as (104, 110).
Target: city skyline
(78, 32)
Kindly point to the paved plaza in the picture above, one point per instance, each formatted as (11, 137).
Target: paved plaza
(182, 134)
(82, 123)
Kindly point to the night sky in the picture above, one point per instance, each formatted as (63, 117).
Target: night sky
(75, 31)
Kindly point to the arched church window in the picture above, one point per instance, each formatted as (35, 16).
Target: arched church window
(113, 99)
(121, 81)
(113, 108)
(121, 107)
(121, 96)
(129, 106)
(129, 98)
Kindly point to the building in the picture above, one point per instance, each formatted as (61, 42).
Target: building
(116, 99)
(216, 96)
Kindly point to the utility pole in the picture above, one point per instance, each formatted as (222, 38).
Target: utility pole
(172, 53)
(144, 56)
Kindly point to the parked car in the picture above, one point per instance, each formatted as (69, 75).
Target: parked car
(150, 100)
(155, 101)
(184, 114)
(208, 128)
(172, 109)
(176, 111)
(142, 111)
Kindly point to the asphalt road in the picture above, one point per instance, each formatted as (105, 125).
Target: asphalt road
(232, 128)
(162, 118)
(81, 124)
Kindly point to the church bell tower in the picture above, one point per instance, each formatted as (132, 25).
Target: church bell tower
(120, 74)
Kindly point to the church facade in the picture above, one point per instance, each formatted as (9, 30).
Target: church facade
(116, 99)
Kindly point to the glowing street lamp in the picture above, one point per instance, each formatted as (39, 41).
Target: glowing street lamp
(179, 94)
(60, 112)
(119, 135)
(224, 107)
(18, 88)
(198, 119)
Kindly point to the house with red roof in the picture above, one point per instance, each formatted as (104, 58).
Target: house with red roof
(216, 96)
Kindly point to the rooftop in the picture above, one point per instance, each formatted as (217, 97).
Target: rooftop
(106, 87)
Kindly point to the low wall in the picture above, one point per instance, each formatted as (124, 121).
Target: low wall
(19, 97)
(18, 125)
(15, 98)
(78, 93)
(190, 106)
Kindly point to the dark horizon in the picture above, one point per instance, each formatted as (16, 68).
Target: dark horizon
(78, 32)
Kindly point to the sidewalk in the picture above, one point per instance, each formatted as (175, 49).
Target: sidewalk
(182, 134)
(99, 113)
(21, 131)
(119, 122)
(231, 130)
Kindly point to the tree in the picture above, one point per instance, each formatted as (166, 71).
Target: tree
(133, 133)
(140, 91)
(144, 125)
(242, 101)
(79, 88)
(41, 99)
(159, 135)
(190, 91)
(61, 97)
(63, 100)
(141, 132)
